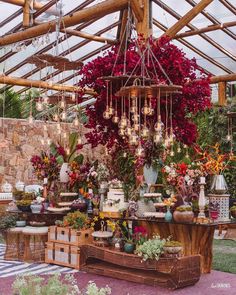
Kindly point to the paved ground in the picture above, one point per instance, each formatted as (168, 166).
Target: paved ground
(216, 283)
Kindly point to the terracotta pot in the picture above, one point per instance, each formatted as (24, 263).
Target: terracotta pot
(185, 216)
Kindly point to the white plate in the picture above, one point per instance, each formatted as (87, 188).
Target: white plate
(58, 210)
(152, 195)
(65, 204)
(68, 194)
(154, 214)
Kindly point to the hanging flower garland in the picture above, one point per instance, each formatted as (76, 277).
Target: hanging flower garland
(181, 71)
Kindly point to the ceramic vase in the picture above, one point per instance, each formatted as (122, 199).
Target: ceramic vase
(64, 176)
(36, 208)
(129, 248)
(168, 215)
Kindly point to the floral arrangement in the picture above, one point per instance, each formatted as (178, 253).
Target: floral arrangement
(170, 201)
(45, 166)
(213, 162)
(181, 71)
(115, 183)
(32, 284)
(76, 220)
(102, 172)
(78, 176)
(152, 248)
(182, 178)
(139, 235)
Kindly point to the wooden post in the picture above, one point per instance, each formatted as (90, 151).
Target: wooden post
(222, 93)
(26, 14)
(172, 31)
(222, 78)
(95, 11)
(144, 27)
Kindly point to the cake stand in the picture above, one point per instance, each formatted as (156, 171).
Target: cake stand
(101, 238)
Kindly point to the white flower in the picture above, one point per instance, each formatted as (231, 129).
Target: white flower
(167, 169)
(186, 178)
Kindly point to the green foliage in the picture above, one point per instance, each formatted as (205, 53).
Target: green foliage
(76, 220)
(7, 221)
(152, 248)
(12, 108)
(124, 169)
(173, 244)
(55, 285)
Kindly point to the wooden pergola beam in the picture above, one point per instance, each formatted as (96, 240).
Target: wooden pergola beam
(89, 36)
(80, 16)
(137, 9)
(26, 14)
(223, 78)
(222, 94)
(206, 29)
(144, 27)
(172, 31)
(41, 84)
(37, 5)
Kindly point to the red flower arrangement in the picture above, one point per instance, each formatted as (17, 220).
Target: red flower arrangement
(181, 71)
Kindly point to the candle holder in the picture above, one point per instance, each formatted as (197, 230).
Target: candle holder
(202, 201)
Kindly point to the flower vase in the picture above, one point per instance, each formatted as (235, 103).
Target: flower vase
(150, 175)
(129, 248)
(219, 185)
(168, 215)
(64, 176)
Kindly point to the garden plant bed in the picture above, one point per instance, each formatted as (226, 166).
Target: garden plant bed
(167, 272)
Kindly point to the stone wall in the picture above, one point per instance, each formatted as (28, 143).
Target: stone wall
(19, 141)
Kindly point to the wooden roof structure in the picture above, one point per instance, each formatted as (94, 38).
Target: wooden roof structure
(205, 29)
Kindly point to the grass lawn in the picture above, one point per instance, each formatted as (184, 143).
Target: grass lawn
(224, 255)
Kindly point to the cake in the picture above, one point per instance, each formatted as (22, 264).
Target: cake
(115, 197)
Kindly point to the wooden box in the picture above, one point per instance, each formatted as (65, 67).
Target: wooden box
(62, 254)
(82, 237)
(75, 257)
(49, 252)
(63, 235)
(52, 233)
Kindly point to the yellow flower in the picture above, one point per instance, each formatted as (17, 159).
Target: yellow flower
(92, 224)
(46, 160)
(124, 223)
(101, 215)
(95, 219)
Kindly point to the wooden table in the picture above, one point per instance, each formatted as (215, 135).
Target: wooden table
(196, 238)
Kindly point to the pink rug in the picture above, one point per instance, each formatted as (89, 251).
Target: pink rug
(216, 283)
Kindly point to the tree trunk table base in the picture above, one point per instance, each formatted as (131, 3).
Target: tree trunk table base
(195, 238)
(172, 273)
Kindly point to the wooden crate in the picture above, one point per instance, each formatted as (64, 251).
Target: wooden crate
(49, 252)
(62, 254)
(79, 238)
(63, 235)
(52, 233)
(75, 257)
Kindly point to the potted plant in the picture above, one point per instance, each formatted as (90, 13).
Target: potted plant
(24, 205)
(129, 246)
(172, 247)
(152, 249)
(183, 214)
(36, 205)
(233, 211)
(7, 221)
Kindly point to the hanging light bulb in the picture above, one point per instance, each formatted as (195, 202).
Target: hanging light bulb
(133, 140)
(111, 110)
(121, 132)
(144, 132)
(145, 110)
(159, 126)
(139, 151)
(62, 104)
(79, 140)
(123, 122)
(31, 119)
(115, 119)
(73, 96)
(76, 122)
(39, 106)
(63, 115)
(179, 149)
(151, 112)
(67, 151)
(157, 138)
(135, 117)
(55, 117)
(42, 141)
(133, 108)
(172, 153)
(106, 114)
(228, 137)
(167, 141)
(64, 135)
(136, 127)
(49, 141)
(128, 129)
(124, 155)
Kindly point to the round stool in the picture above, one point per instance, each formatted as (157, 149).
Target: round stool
(35, 239)
(14, 244)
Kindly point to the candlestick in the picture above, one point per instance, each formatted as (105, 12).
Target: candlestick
(202, 200)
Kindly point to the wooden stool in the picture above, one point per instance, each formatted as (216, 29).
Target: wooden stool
(14, 244)
(35, 239)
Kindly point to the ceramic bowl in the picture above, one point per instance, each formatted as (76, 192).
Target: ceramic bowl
(20, 223)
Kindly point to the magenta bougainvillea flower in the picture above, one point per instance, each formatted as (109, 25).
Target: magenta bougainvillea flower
(181, 71)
